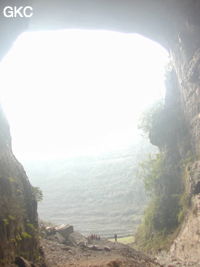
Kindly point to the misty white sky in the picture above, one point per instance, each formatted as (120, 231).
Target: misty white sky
(77, 91)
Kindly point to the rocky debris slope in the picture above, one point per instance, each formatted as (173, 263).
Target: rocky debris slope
(64, 247)
(103, 254)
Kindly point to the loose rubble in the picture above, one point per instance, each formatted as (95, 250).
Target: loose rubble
(63, 247)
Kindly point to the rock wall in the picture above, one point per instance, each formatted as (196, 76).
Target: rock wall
(186, 57)
(187, 245)
(18, 207)
(185, 53)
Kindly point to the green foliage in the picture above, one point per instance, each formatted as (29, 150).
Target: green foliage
(163, 173)
(155, 124)
(12, 180)
(150, 171)
(185, 198)
(188, 159)
(146, 237)
(165, 125)
(18, 237)
(5, 221)
(25, 235)
(11, 218)
(124, 240)
(158, 227)
(31, 226)
(37, 192)
(169, 201)
(149, 117)
(162, 180)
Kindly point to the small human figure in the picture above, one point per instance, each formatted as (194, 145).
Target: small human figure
(115, 236)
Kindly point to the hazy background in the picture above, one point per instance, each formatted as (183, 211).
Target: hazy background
(73, 99)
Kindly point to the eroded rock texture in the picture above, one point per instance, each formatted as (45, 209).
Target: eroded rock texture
(186, 55)
(187, 244)
(186, 58)
(18, 207)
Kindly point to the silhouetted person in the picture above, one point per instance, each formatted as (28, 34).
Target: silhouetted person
(115, 236)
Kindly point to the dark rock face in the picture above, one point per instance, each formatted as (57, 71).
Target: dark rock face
(18, 207)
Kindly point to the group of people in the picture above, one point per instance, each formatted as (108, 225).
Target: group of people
(94, 237)
(97, 237)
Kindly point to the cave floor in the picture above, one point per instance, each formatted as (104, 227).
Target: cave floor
(119, 255)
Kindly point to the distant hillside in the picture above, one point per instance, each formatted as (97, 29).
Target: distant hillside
(99, 194)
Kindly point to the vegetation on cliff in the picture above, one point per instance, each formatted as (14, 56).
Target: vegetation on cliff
(163, 173)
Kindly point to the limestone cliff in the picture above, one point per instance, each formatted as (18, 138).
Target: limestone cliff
(186, 56)
(187, 244)
(184, 48)
(183, 142)
(18, 207)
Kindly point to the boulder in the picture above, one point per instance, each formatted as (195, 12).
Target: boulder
(65, 230)
(82, 244)
(76, 238)
(50, 230)
(94, 247)
(59, 238)
(107, 248)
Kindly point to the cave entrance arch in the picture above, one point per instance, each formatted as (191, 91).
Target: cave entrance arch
(112, 76)
(175, 24)
(154, 19)
(45, 210)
